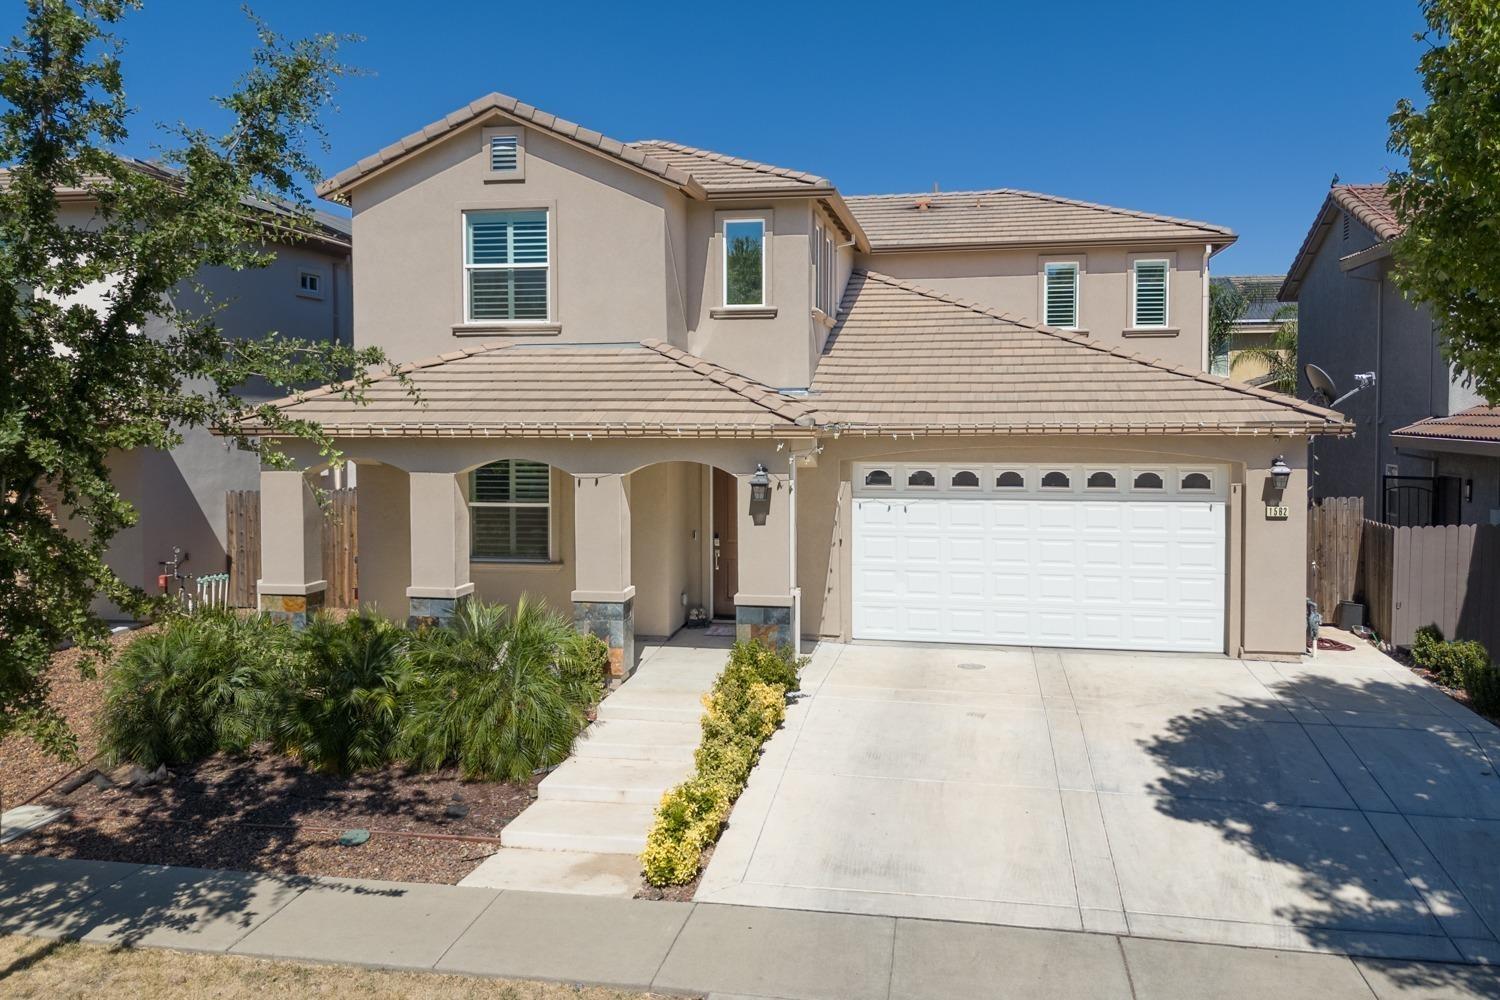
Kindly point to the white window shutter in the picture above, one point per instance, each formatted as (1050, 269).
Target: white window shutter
(1150, 293)
(504, 152)
(1061, 295)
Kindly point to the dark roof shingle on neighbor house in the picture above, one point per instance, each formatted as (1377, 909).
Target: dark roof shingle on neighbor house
(1259, 291)
(1479, 424)
(904, 358)
(646, 389)
(954, 220)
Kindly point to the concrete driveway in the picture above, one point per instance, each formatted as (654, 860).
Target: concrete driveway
(1338, 804)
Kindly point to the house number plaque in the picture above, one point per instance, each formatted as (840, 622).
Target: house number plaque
(1277, 513)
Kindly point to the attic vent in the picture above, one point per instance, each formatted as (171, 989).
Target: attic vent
(923, 204)
(503, 152)
(1346, 227)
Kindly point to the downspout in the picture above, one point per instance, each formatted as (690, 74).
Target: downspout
(1208, 249)
(796, 595)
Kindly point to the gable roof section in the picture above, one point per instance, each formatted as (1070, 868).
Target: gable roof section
(722, 174)
(907, 359)
(646, 389)
(1478, 424)
(972, 220)
(339, 184)
(1368, 203)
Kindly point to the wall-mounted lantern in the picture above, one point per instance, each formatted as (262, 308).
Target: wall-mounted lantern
(760, 486)
(1281, 473)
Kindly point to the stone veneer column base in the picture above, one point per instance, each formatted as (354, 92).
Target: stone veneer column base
(768, 625)
(295, 608)
(422, 611)
(614, 622)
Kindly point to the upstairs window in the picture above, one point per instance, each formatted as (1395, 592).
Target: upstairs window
(510, 511)
(1061, 296)
(1150, 294)
(310, 284)
(506, 260)
(745, 262)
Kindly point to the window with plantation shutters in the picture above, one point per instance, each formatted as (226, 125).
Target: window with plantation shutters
(1150, 294)
(505, 153)
(510, 511)
(506, 259)
(1061, 295)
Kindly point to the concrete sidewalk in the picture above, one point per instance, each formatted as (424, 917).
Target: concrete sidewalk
(695, 948)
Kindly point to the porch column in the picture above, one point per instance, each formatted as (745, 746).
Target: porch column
(291, 584)
(765, 604)
(439, 548)
(604, 603)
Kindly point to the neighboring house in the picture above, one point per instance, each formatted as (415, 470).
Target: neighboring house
(1464, 449)
(1352, 318)
(1255, 329)
(306, 292)
(654, 378)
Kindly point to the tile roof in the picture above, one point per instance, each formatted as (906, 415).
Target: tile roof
(1369, 203)
(1477, 423)
(720, 173)
(646, 389)
(1004, 217)
(467, 115)
(904, 358)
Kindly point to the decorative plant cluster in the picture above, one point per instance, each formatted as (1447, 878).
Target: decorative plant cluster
(1460, 664)
(745, 706)
(495, 693)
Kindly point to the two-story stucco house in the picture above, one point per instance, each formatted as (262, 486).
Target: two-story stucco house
(1426, 449)
(656, 378)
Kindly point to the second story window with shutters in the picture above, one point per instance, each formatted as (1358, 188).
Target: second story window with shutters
(506, 263)
(1149, 294)
(1061, 306)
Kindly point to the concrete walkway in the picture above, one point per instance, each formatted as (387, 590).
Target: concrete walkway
(697, 948)
(588, 825)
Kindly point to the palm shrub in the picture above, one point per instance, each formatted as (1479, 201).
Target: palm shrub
(500, 694)
(192, 689)
(336, 703)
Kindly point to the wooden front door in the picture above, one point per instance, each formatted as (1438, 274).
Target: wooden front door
(726, 543)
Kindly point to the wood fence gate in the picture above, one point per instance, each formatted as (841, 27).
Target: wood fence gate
(340, 547)
(1335, 531)
(1447, 576)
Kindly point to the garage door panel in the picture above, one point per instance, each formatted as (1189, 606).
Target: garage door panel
(1049, 569)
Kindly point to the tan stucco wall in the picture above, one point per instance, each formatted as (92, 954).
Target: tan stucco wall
(666, 545)
(384, 538)
(1011, 281)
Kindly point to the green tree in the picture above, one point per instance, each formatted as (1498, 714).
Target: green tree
(1448, 197)
(1226, 306)
(744, 266)
(1280, 355)
(83, 381)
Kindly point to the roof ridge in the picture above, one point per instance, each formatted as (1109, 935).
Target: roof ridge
(1351, 198)
(785, 407)
(1058, 199)
(734, 161)
(1083, 340)
(507, 105)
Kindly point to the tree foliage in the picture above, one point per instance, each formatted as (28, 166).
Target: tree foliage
(109, 341)
(1448, 197)
(1227, 305)
(1280, 355)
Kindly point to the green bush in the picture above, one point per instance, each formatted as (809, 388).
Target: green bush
(1449, 660)
(336, 702)
(500, 695)
(745, 706)
(192, 689)
(1424, 643)
(1481, 679)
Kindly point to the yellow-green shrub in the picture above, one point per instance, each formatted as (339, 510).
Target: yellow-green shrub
(687, 821)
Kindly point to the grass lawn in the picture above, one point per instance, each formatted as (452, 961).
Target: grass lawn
(30, 967)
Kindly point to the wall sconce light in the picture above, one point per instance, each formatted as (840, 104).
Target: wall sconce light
(1281, 473)
(760, 486)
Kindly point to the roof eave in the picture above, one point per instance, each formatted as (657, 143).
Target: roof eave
(1219, 241)
(1186, 428)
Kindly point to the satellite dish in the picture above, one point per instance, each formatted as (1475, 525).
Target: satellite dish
(1321, 383)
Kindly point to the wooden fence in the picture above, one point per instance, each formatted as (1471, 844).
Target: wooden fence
(1334, 535)
(340, 547)
(1444, 575)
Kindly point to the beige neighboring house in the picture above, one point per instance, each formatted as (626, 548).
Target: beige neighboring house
(306, 292)
(1257, 328)
(655, 378)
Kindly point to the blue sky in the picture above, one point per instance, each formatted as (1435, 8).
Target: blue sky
(1235, 113)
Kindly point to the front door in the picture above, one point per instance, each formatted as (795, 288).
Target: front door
(725, 543)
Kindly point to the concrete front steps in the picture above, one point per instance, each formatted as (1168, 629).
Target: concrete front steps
(588, 825)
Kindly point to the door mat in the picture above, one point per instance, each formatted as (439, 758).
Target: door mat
(1334, 644)
(720, 629)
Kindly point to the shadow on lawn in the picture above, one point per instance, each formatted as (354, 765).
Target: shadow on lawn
(1227, 768)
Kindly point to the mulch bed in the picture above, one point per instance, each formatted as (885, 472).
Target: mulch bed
(270, 814)
(26, 770)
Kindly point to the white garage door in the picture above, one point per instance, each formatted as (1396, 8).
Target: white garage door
(1101, 557)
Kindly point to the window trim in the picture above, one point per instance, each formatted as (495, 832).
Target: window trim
(518, 173)
(1077, 267)
(551, 555)
(468, 320)
(1166, 288)
(310, 293)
